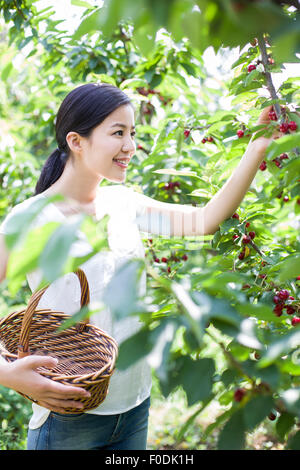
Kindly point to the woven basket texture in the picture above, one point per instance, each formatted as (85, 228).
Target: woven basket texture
(86, 354)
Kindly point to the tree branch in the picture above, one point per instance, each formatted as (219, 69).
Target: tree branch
(265, 62)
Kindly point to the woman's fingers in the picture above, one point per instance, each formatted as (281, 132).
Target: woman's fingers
(264, 115)
(60, 391)
(59, 406)
(25, 377)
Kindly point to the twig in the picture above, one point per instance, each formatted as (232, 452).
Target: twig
(256, 248)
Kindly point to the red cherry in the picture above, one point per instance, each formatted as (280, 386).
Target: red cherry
(283, 156)
(277, 299)
(290, 310)
(284, 127)
(298, 201)
(251, 67)
(234, 237)
(292, 126)
(291, 297)
(286, 199)
(298, 278)
(239, 393)
(295, 321)
(164, 260)
(240, 133)
(203, 140)
(252, 235)
(143, 91)
(272, 416)
(185, 257)
(283, 294)
(247, 224)
(263, 166)
(272, 116)
(156, 260)
(169, 269)
(210, 139)
(277, 162)
(278, 310)
(241, 255)
(236, 216)
(246, 239)
(186, 133)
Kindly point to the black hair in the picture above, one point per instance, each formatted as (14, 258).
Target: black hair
(83, 109)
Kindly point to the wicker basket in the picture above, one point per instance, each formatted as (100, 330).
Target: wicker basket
(86, 354)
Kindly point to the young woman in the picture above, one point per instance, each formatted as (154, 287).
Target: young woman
(95, 135)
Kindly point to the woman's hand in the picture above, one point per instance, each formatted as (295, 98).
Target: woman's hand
(262, 142)
(22, 376)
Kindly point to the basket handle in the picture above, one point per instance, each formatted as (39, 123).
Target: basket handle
(23, 347)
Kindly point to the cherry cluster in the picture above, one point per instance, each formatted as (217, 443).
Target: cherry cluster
(281, 300)
(148, 108)
(285, 126)
(240, 393)
(208, 138)
(277, 161)
(173, 258)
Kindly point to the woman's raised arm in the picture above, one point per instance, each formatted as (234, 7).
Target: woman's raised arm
(184, 220)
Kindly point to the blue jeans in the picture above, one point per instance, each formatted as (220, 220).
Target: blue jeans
(84, 431)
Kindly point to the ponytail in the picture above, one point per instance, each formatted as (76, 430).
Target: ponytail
(51, 171)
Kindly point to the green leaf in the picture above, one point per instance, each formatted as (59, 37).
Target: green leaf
(134, 348)
(122, 292)
(89, 25)
(82, 3)
(59, 243)
(260, 311)
(185, 374)
(257, 409)
(282, 145)
(6, 71)
(79, 316)
(280, 347)
(232, 436)
(25, 258)
(284, 423)
(147, 342)
(294, 442)
(19, 223)
(289, 267)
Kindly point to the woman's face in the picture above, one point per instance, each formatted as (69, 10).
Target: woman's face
(112, 140)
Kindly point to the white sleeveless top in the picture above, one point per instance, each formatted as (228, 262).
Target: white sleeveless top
(128, 388)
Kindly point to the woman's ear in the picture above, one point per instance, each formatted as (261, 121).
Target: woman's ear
(74, 142)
